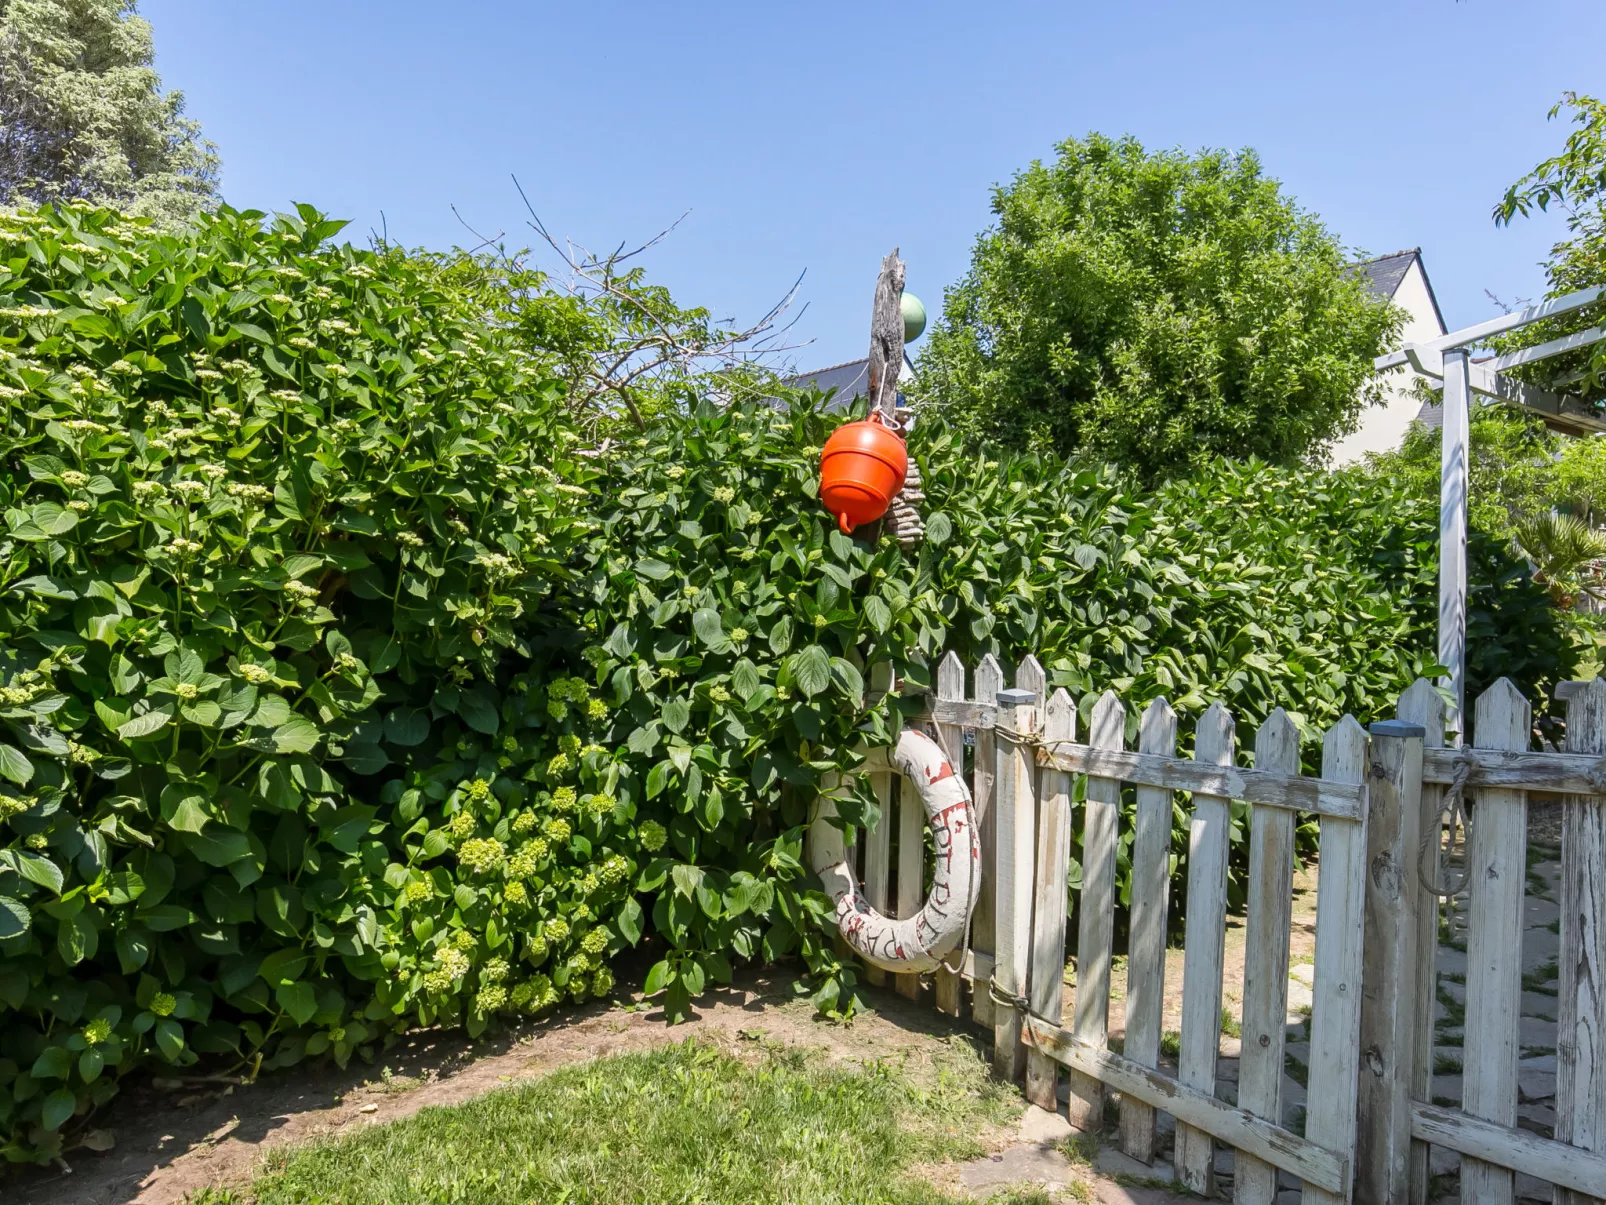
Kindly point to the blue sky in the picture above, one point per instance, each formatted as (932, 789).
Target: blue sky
(818, 136)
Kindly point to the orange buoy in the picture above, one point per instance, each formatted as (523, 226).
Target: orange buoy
(861, 471)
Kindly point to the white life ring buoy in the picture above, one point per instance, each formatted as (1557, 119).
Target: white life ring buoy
(915, 943)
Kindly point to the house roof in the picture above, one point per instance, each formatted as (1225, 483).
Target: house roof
(1385, 274)
(850, 380)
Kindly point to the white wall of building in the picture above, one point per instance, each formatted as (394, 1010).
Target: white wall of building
(1383, 426)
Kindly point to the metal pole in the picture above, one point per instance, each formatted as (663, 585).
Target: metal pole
(1453, 538)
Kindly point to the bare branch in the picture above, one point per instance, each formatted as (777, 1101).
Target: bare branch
(660, 342)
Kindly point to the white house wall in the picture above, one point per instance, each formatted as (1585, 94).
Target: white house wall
(1383, 426)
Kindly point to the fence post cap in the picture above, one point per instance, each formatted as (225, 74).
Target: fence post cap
(1016, 697)
(1400, 728)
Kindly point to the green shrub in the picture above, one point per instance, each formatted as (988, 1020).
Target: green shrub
(280, 519)
(733, 627)
(1247, 584)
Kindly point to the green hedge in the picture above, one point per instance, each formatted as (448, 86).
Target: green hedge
(280, 519)
(348, 687)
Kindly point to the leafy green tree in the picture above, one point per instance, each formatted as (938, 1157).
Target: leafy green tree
(1156, 309)
(1513, 467)
(1575, 182)
(83, 115)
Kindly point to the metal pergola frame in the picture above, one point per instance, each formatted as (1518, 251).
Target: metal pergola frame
(1448, 359)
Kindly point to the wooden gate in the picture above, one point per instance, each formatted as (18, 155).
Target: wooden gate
(1370, 1118)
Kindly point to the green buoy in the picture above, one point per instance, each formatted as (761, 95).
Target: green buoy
(914, 317)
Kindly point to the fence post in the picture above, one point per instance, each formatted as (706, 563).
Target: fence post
(1421, 704)
(1389, 977)
(1047, 977)
(1581, 1012)
(1335, 1023)
(1015, 807)
(1497, 866)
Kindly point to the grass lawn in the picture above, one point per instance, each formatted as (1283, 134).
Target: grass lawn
(688, 1124)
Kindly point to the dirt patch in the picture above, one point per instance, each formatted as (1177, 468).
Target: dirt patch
(173, 1143)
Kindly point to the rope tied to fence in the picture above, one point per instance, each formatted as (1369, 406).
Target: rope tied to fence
(1452, 811)
(1008, 999)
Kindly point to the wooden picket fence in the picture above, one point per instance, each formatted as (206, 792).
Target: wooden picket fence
(1369, 1119)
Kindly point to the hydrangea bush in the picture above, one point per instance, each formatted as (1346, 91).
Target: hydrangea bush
(280, 520)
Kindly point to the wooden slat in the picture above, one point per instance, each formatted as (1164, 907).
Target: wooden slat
(826, 844)
(878, 841)
(1030, 675)
(1047, 980)
(1266, 937)
(1566, 1166)
(911, 868)
(878, 859)
(1388, 981)
(980, 714)
(1497, 869)
(1560, 773)
(1201, 1112)
(1581, 1015)
(985, 685)
(1343, 800)
(1101, 821)
(1330, 1117)
(1421, 704)
(950, 985)
(1151, 888)
(1204, 948)
(1016, 808)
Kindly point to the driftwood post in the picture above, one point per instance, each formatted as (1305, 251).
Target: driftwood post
(903, 522)
(886, 336)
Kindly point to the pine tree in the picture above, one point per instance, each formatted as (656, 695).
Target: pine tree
(83, 115)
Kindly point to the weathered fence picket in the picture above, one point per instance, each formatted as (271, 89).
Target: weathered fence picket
(911, 870)
(1266, 937)
(1581, 1004)
(878, 841)
(1497, 863)
(1421, 705)
(1151, 894)
(986, 684)
(1048, 905)
(1204, 947)
(1101, 816)
(1369, 1120)
(1388, 985)
(1016, 808)
(950, 984)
